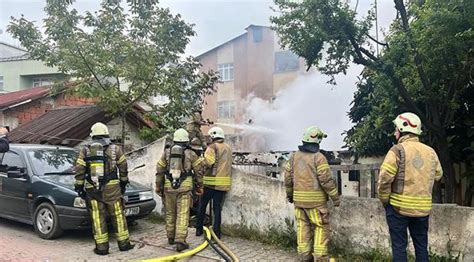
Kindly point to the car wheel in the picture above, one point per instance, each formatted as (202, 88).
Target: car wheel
(46, 222)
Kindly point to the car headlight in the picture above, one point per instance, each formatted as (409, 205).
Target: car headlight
(147, 195)
(79, 202)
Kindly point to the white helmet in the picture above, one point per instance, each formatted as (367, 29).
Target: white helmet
(313, 134)
(408, 123)
(216, 132)
(181, 135)
(99, 129)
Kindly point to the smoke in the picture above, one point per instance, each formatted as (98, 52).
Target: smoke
(307, 101)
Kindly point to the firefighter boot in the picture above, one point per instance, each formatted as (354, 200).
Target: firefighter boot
(101, 252)
(199, 232)
(180, 246)
(126, 246)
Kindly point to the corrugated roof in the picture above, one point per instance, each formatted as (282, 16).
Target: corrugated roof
(68, 125)
(13, 98)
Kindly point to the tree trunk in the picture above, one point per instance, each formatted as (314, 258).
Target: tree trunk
(448, 168)
(124, 131)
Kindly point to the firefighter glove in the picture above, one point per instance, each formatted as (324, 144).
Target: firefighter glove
(123, 186)
(80, 191)
(199, 191)
(290, 199)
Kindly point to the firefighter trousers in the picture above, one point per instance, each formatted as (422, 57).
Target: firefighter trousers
(312, 234)
(177, 205)
(99, 211)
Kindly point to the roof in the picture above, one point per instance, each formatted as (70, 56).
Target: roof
(66, 126)
(13, 99)
(231, 40)
(12, 46)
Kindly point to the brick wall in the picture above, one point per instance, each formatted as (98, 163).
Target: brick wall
(27, 112)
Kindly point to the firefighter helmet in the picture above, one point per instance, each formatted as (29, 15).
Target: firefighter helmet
(408, 123)
(216, 132)
(181, 135)
(313, 134)
(99, 129)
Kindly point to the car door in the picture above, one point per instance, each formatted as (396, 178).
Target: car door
(15, 191)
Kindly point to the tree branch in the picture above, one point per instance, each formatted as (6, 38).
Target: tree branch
(400, 6)
(378, 42)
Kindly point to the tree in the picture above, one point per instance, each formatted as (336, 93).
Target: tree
(425, 66)
(121, 58)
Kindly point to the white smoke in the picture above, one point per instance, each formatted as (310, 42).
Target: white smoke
(307, 101)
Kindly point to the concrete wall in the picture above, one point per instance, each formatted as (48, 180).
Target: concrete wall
(142, 166)
(359, 223)
(19, 74)
(257, 201)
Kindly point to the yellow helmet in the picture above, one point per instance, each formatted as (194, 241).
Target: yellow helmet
(99, 129)
(408, 123)
(181, 135)
(216, 132)
(313, 134)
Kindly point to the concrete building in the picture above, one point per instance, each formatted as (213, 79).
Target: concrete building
(19, 72)
(251, 64)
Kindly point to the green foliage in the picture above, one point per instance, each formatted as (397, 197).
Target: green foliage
(121, 57)
(284, 238)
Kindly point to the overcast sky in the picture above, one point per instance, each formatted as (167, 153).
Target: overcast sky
(217, 21)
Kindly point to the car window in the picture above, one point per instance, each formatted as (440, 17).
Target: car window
(52, 161)
(12, 159)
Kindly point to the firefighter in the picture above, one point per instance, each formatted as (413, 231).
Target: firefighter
(308, 183)
(404, 187)
(177, 170)
(194, 126)
(96, 180)
(4, 143)
(217, 179)
(196, 146)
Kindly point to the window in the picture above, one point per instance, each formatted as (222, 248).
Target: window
(1, 82)
(226, 71)
(257, 34)
(225, 109)
(286, 61)
(12, 159)
(42, 82)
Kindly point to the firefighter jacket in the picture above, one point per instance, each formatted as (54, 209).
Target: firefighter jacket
(218, 160)
(193, 167)
(407, 175)
(115, 160)
(309, 181)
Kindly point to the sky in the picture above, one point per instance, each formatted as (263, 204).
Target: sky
(217, 21)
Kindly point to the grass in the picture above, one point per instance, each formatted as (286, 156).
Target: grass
(284, 238)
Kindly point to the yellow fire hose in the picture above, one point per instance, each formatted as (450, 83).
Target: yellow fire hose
(185, 254)
(224, 247)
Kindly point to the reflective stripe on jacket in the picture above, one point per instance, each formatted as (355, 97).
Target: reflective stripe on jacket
(407, 175)
(218, 158)
(308, 180)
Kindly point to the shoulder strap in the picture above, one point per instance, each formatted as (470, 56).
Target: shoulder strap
(399, 181)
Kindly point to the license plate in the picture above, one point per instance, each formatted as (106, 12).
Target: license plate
(131, 211)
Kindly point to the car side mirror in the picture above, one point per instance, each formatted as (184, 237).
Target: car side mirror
(16, 172)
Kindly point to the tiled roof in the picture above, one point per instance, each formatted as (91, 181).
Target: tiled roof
(14, 98)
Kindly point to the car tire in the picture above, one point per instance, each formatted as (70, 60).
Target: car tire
(46, 221)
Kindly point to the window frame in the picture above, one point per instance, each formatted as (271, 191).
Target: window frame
(226, 109)
(227, 74)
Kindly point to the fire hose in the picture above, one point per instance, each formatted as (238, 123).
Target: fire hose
(224, 247)
(209, 234)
